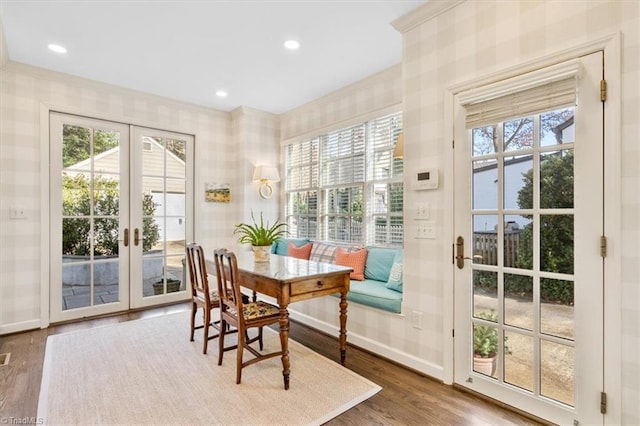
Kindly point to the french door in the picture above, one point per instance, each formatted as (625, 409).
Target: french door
(528, 269)
(120, 209)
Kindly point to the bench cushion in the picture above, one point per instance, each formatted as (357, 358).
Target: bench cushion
(376, 294)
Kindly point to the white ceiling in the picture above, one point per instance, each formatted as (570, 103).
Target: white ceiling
(187, 50)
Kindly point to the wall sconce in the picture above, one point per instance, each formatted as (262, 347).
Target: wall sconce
(265, 175)
(398, 151)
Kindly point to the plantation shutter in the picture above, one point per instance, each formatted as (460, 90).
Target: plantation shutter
(302, 165)
(531, 93)
(384, 134)
(343, 155)
(385, 201)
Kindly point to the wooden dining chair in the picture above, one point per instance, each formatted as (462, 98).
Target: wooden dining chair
(237, 313)
(202, 295)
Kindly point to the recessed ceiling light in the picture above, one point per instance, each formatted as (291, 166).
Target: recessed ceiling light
(57, 48)
(292, 44)
(221, 93)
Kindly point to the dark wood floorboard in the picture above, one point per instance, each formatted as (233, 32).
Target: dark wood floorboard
(406, 398)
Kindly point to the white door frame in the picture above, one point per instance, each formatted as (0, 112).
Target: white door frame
(610, 45)
(45, 111)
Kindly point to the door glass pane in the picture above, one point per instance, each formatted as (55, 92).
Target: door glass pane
(485, 239)
(485, 346)
(557, 371)
(106, 195)
(518, 244)
(556, 243)
(484, 140)
(76, 146)
(76, 284)
(557, 127)
(556, 180)
(106, 151)
(518, 301)
(106, 279)
(518, 360)
(485, 184)
(557, 308)
(518, 134)
(75, 194)
(518, 175)
(485, 292)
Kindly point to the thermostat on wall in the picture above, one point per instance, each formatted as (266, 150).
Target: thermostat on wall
(426, 179)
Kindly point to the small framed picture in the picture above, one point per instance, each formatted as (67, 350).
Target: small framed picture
(217, 192)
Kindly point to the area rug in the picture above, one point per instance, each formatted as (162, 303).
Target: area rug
(148, 372)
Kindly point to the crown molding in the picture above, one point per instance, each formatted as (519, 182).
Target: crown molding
(424, 13)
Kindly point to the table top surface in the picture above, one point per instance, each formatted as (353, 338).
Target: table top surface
(285, 268)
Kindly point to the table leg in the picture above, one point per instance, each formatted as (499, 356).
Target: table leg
(343, 326)
(284, 341)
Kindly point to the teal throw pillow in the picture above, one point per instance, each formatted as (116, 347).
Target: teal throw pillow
(395, 276)
(379, 262)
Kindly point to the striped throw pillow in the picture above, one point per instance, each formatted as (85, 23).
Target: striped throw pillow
(356, 260)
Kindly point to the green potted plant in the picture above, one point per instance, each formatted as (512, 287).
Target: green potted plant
(485, 344)
(260, 235)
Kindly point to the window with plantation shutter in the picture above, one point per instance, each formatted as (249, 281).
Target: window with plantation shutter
(345, 186)
(385, 200)
(301, 187)
(342, 173)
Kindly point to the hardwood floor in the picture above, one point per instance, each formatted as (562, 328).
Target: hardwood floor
(406, 398)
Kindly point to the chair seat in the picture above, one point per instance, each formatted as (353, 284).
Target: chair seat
(258, 309)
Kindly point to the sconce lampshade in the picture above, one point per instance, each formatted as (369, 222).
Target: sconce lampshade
(398, 151)
(265, 175)
(269, 173)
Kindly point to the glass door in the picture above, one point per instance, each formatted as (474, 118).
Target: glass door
(528, 274)
(89, 222)
(121, 208)
(162, 206)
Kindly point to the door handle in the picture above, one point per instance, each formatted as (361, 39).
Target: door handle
(136, 236)
(460, 257)
(126, 237)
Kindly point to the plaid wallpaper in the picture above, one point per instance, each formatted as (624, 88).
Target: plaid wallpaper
(226, 151)
(476, 38)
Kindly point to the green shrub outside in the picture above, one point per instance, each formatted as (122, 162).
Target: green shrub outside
(76, 231)
(556, 234)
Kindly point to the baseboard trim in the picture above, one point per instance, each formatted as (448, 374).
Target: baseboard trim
(18, 327)
(407, 360)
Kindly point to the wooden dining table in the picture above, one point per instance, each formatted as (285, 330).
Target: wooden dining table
(288, 280)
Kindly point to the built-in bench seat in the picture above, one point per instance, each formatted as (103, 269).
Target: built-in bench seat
(379, 286)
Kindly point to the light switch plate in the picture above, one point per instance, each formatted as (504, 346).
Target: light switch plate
(426, 230)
